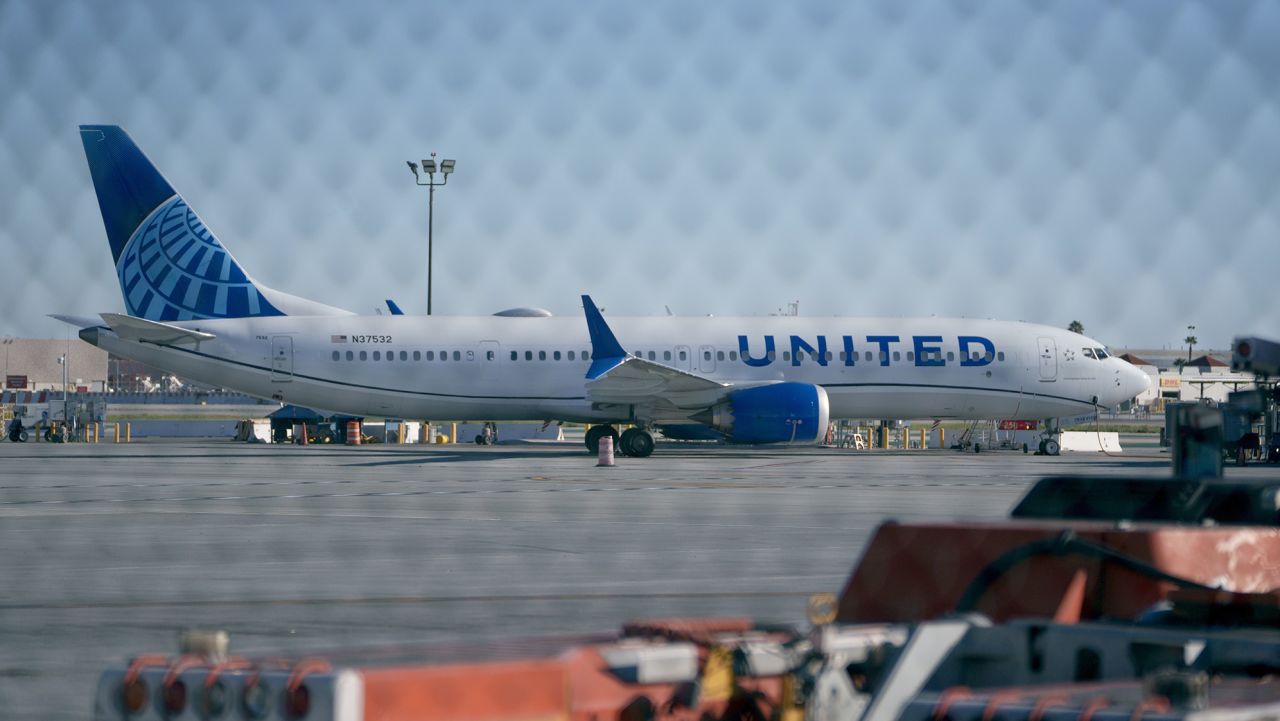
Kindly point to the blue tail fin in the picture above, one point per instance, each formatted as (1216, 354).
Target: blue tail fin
(170, 266)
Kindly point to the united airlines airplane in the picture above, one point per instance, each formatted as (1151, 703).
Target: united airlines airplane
(193, 310)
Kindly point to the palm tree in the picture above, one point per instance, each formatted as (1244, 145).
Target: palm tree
(1076, 327)
(1190, 340)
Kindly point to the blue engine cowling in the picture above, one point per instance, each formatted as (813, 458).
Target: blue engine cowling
(778, 413)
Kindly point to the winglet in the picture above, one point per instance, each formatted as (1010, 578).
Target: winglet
(395, 309)
(606, 351)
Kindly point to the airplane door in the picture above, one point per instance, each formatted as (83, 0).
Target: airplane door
(281, 358)
(707, 359)
(683, 357)
(1048, 359)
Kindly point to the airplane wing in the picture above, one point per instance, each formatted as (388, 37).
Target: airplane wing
(616, 378)
(150, 331)
(637, 381)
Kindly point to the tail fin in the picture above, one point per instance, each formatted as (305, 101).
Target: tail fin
(171, 267)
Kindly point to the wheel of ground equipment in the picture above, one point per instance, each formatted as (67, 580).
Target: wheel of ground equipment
(23, 436)
(595, 433)
(1040, 448)
(479, 439)
(977, 448)
(1052, 447)
(1025, 448)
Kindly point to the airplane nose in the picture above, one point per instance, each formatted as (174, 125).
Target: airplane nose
(1133, 382)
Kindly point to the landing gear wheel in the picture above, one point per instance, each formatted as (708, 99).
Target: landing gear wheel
(595, 433)
(636, 442)
(1051, 447)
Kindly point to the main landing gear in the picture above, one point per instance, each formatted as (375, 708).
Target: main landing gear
(634, 442)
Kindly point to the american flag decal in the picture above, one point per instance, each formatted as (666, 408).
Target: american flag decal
(337, 339)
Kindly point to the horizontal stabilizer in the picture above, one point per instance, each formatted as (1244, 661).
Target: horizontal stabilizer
(150, 331)
(79, 321)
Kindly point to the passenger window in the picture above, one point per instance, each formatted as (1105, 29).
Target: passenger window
(350, 355)
(364, 355)
(377, 355)
(431, 355)
(786, 355)
(542, 355)
(719, 355)
(706, 355)
(471, 355)
(570, 355)
(458, 356)
(733, 355)
(391, 355)
(666, 355)
(404, 356)
(444, 355)
(488, 355)
(1000, 356)
(951, 356)
(683, 355)
(653, 355)
(868, 355)
(586, 355)
(884, 356)
(528, 355)
(515, 355)
(336, 355)
(830, 356)
(417, 355)
(911, 355)
(897, 355)
(556, 355)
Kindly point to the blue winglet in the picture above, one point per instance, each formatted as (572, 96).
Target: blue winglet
(395, 309)
(606, 351)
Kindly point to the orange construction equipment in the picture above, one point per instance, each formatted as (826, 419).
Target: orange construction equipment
(353, 433)
(1022, 620)
(1006, 570)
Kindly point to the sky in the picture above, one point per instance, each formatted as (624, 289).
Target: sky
(1114, 163)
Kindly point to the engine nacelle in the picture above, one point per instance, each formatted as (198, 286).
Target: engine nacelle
(779, 413)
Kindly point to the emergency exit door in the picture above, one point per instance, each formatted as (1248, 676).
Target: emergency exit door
(1048, 359)
(281, 358)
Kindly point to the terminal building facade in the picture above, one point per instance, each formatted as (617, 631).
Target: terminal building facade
(1206, 377)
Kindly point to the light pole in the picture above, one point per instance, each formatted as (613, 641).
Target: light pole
(429, 167)
(8, 343)
(62, 361)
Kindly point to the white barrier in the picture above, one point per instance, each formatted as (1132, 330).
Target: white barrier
(1090, 442)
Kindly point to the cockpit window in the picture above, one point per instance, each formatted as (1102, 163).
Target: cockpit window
(1088, 353)
(1102, 353)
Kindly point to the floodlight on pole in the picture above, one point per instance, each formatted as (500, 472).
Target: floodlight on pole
(429, 167)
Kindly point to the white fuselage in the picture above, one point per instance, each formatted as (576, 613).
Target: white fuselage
(500, 368)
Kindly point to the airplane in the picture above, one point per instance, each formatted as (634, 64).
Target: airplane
(193, 310)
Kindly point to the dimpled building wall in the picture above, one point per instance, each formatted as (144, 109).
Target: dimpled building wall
(1114, 163)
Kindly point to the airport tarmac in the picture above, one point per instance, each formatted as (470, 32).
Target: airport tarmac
(112, 550)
